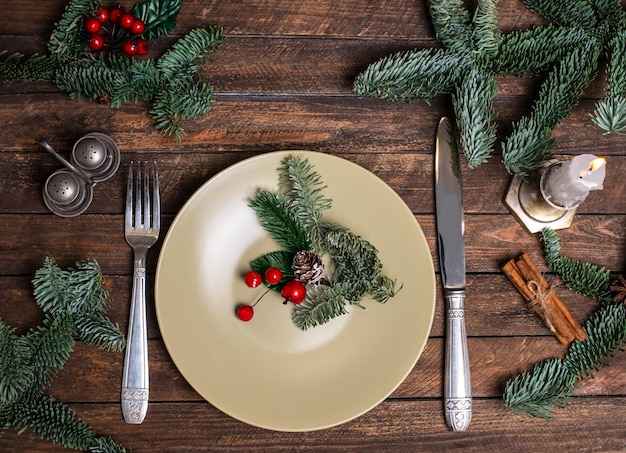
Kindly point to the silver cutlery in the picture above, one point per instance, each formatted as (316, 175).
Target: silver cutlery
(451, 241)
(141, 229)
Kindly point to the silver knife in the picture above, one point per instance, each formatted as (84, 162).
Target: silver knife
(451, 241)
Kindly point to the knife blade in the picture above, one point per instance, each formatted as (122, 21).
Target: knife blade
(451, 247)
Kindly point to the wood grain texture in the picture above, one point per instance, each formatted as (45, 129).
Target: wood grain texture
(283, 80)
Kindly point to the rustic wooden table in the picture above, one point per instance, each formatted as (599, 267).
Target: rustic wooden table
(283, 80)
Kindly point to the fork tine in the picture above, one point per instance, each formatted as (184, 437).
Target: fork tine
(146, 196)
(156, 201)
(138, 195)
(128, 218)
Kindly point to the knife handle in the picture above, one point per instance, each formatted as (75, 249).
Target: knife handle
(457, 384)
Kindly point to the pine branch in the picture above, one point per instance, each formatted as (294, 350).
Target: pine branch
(528, 146)
(536, 50)
(67, 41)
(451, 22)
(540, 391)
(607, 332)
(16, 67)
(473, 105)
(16, 375)
(183, 59)
(52, 420)
(178, 102)
(530, 143)
(98, 330)
(302, 188)
(414, 74)
(322, 304)
(48, 348)
(486, 34)
(577, 13)
(565, 84)
(610, 114)
(278, 219)
(584, 278)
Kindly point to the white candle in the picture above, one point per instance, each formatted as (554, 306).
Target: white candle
(565, 185)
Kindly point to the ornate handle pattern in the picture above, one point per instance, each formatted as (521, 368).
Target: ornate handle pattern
(135, 376)
(457, 384)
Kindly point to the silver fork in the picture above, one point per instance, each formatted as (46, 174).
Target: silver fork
(141, 229)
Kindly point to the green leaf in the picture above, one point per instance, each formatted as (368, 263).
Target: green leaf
(158, 15)
(280, 260)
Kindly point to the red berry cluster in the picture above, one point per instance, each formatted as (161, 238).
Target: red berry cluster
(102, 29)
(293, 291)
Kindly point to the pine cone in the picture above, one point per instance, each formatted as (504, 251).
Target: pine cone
(308, 267)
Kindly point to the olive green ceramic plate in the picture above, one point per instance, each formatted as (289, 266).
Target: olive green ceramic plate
(267, 372)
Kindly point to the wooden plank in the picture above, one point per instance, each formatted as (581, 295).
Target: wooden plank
(404, 425)
(356, 18)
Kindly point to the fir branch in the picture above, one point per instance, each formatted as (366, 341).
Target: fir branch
(451, 22)
(540, 391)
(322, 304)
(565, 84)
(486, 34)
(607, 332)
(528, 146)
(280, 221)
(67, 41)
(413, 74)
(183, 59)
(15, 373)
(473, 105)
(52, 420)
(610, 114)
(584, 278)
(577, 13)
(16, 67)
(48, 348)
(302, 188)
(97, 330)
(180, 101)
(538, 49)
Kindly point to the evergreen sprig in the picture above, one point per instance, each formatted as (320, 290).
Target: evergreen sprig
(550, 383)
(568, 50)
(75, 303)
(171, 83)
(293, 218)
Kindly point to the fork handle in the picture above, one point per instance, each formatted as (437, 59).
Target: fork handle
(135, 375)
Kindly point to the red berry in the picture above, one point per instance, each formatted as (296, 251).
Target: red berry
(92, 25)
(253, 279)
(293, 291)
(137, 27)
(102, 15)
(273, 275)
(142, 46)
(126, 20)
(130, 47)
(96, 42)
(245, 312)
(115, 14)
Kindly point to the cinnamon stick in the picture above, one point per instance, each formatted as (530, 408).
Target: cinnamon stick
(542, 299)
